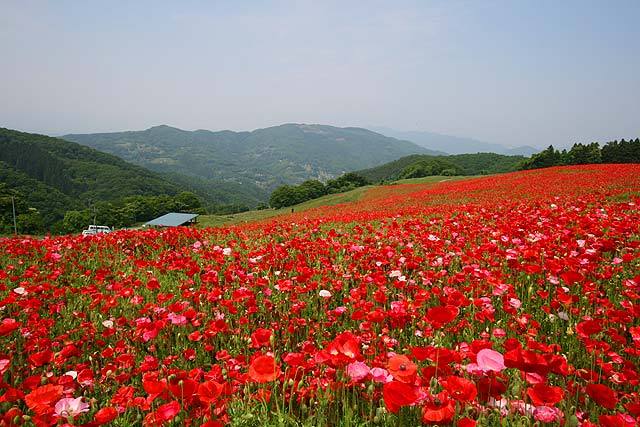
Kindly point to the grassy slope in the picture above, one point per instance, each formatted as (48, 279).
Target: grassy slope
(328, 200)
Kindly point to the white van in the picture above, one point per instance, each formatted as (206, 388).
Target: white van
(96, 229)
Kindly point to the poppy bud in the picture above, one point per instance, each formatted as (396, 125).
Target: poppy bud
(290, 383)
(572, 421)
(433, 383)
(516, 389)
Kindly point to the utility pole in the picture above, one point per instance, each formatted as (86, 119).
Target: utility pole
(15, 225)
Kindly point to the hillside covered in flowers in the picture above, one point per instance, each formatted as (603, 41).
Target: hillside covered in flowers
(504, 300)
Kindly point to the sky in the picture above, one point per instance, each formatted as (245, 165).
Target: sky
(514, 72)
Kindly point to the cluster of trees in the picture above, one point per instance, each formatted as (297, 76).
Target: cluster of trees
(27, 218)
(59, 186)
(430, 167)
(419, 165)
(130, 210)
(125, 212)
(289, 195)
(580, 154)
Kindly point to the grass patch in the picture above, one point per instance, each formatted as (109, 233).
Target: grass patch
(251, 216)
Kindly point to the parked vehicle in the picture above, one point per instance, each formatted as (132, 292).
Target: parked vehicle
(92, 230)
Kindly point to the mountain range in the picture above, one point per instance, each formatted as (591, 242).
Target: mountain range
(259, 160)
(455, 144)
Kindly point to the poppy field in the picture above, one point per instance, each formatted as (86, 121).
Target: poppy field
(507, 300)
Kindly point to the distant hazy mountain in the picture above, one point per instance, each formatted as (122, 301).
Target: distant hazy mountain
(455, 144)
(525, 150)
(263, 158)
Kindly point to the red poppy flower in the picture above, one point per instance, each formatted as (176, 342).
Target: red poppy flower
(438, 409)
(587, 328)
(152, 386)
(441, 315)
(602, 395)
(105, 415)
(168, 411)
(183, 389)
(490, 387)
(7, 419)
(343, 349)
(397, 394)
(209, 391)
(41, 358)
(466, 422)
(7, 326)
(571, 277)
(633, 408)
(42, 399)
(260, 337)
(402, 368)
(263, 369)
(618, 420)
(545, 395)
(460, 389)
(11, 395)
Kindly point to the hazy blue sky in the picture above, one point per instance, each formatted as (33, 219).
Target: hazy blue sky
(511, 72)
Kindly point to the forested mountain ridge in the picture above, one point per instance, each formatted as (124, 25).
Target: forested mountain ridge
(457, 164)
(78, 170)
(47, 177)
(263, 158)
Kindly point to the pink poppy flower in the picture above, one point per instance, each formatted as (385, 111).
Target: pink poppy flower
(490, 360)
(70, 407)
(547, 414)
(357, 371)
(381, 375)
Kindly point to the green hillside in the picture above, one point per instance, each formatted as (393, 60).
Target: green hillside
(328, 200)
(458, 164)
(258, 161)
(47, 177)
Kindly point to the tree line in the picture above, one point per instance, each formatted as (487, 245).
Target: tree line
(430, 167)
(421, 165)
(289, 195)
(612, 152)
(121, 213)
